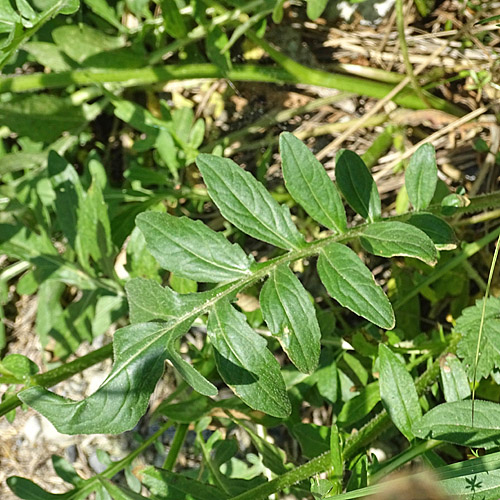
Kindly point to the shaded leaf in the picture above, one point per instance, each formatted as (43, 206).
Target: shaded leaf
(489, 349)
(359, 406)
(291, 317)
(454, 379)
(421, 177)
(245, 363)
(438, 230)
(452, 422)
(246, 203)
(398, 392)
(388, 239)
(308, 183)
(357, 184)
(191, 249)
(313, 439)
(352, 284)
(140, 352)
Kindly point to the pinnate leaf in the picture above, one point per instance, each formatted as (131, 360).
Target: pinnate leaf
(489, 348)
(357, 185)
(191, 249)
(388, 239)
(397, 392)
(245, 363)
(352, 284)
(421, 177)
(291, 318)
(308, 183)
(452, 422)
(245, 202)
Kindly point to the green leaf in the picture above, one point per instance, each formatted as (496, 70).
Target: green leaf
(388, 239)
(65, 470)
(397, 392)
(215, 41)
(174, 22)
(104, 10)
(187, 411)
(191, 249)
(120, 492)
(41, 117)
(454, 379)
(169, 485)
(352, 284)
(48, 55)
(290, 317)
(246, 203)
(438, 230)
(421, 177)
(359, 406)
(28, 490)
(313, 439)
(245, 363)
(140, 352)
(489, 349)
(308, 183)
(357, 185)
(452, 422)
(315, 8)
(80, 41)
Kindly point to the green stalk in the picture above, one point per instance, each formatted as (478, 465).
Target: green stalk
(400, 21)
(292, 72)
(52, 377)
(354, 443)
(175, 448)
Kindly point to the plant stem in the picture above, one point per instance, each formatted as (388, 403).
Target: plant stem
(52, 377)
(175, 448)
(292, 72)
(400, 21)
(354, 443)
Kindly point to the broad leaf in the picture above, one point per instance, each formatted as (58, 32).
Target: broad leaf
(41, 117)
(489, 349)
(454, 379)
(191, 249)
(245, 363)
(28, 490)
(421, 177)
(397, 392)
(246, 203)
(438, 230)
(315, 8)
(308, 183)
(313, 439)
(290, 317)
(388, 239)
(452, 422)
(352, 284)
(140, 352)
(357, 185)
(173, 20)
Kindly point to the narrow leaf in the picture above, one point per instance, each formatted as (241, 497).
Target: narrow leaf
(245, 363)
(352, 284)
(28, 490)
(215, 41)
(140, 352)
(357, 185)
(421, 177)
(315, 8)
(388, 239)
(290, 316)
(454, 379)
(245, 202)
(174, 22)
(359, 406)
(438, 230)
(191, 249)
(452, 422)
(308, 183)
(398, 392)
